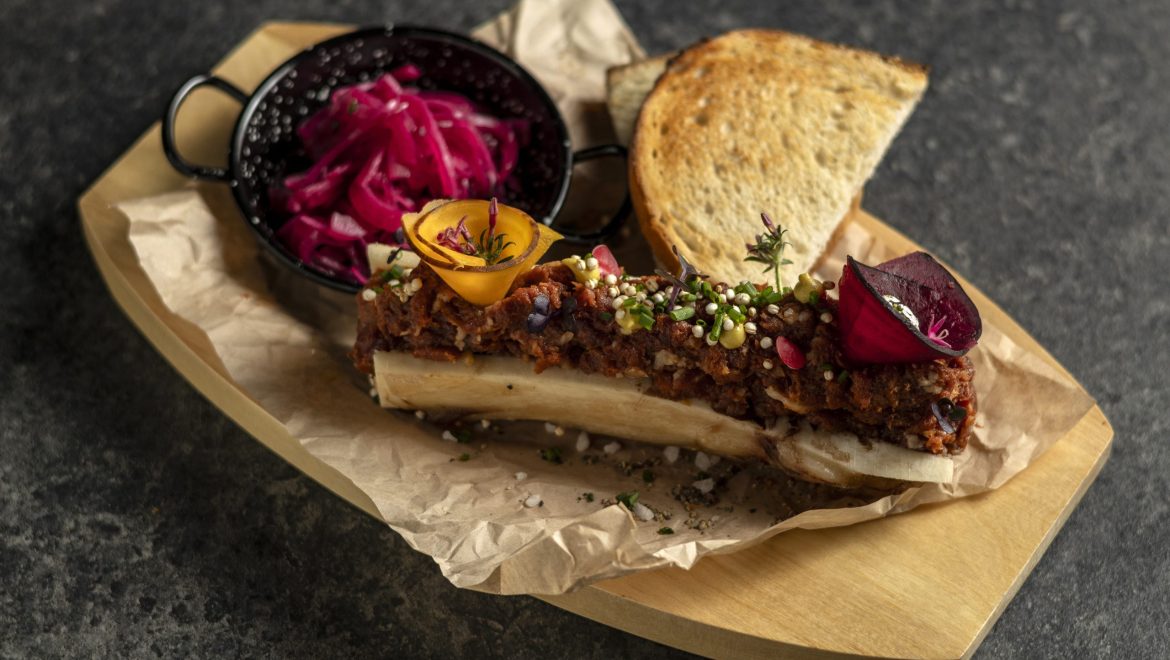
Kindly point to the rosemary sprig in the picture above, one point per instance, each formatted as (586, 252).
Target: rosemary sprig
(769, 248)
(490, 246)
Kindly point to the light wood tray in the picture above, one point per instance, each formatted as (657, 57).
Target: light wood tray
(869, 589)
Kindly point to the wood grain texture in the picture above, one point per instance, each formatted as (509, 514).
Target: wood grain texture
(929, 583)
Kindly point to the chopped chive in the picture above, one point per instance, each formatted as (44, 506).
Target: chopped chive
(663, 531)
(463, 436)
(644, 318)
(717, 327)
(552, 455)
(735, 314)
(606, 316)
(588, 496)
(682, 313)
(648, 476)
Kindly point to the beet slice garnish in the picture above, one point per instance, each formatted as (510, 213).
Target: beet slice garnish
(606, 262)
(875, 327)
(790, 354)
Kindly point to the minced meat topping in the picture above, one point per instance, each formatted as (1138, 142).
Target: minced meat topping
(579, 328)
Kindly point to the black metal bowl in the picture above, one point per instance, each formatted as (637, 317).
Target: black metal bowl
(264, 145)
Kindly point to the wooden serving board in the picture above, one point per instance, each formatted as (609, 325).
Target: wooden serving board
(864, 590)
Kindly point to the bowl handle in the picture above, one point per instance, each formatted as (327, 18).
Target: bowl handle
(168, 127)
(615, 221)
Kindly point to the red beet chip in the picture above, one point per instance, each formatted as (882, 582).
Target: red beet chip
(789, 353)
(605, 261)
(873, 331)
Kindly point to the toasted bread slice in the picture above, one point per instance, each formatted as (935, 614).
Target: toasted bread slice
(626, 88)
(760, 120)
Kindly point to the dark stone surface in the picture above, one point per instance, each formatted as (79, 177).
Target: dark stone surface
(136, 520)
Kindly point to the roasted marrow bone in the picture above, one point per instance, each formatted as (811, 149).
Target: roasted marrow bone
(506, 388)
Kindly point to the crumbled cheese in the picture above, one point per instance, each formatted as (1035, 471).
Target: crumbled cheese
(670, 454)
(373, 393)
(711, 308)
(485, 423)
(611, 279)
(449, 436)
(612, 291)
(533, 501)
(591, 263)
(828, 375)
(728, 324)
(582, 441)
(767, 364)
(705, 486)
(420, 414)
(702, 461)
(749, 328)
(521, 476)
(559, 431)
(643, 512)
(549, 427)
(697, 331)
(416, 284)
(765, 342)
(773, 309)
(612, 448)
(369, 295)
(742, 298)
(826, 317)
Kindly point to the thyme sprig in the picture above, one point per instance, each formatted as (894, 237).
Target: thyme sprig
(769, 248)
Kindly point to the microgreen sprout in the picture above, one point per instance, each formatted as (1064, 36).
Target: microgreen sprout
(769, 248)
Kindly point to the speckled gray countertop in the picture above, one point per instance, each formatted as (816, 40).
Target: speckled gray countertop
(136, 520)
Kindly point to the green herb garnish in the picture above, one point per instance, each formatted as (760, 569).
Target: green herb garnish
(628, 499)
(552, 455)
(644, 316)
(663, 531)
(588, 496)
(463, 436)
(465, 457)
(682, 313)
(490, 246)
(648, 476)
(717, 326)
(769, 248)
